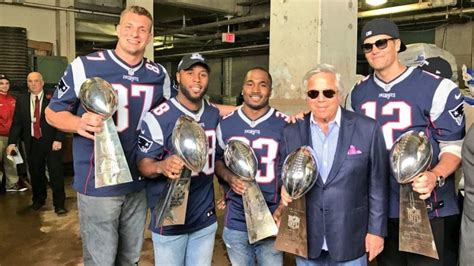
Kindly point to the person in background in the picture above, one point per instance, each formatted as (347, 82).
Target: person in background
(43, 144)
(404, 98)
(7, 108)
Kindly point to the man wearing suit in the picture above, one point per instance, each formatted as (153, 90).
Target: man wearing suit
(347, 207)
(466, 256)
(43, 144)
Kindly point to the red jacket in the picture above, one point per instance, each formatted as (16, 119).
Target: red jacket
(7, 108)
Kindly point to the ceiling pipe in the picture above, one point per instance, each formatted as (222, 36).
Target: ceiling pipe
(405, 8)
(452, 12)
(58, 8)
(219, 35)
(218, 51)
(218, 24)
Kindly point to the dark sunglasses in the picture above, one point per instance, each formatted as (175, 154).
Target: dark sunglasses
(381, 44)
(313, 94)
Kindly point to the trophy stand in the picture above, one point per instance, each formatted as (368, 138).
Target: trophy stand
(292, 233)
(415, 228)
(259, 220)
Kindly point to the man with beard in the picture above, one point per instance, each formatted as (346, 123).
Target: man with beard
(192, 242)
(260, 126)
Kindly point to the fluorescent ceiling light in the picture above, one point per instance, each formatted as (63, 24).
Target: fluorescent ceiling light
(375, 2)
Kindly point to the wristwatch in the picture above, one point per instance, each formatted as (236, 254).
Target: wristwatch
(440, 180)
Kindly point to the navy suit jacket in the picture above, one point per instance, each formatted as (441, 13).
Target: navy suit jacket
(354, 199)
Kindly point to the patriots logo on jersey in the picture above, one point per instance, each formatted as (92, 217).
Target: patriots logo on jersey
(144, 144)
(457, 113)
(62, 88)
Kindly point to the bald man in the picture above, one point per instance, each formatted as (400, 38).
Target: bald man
(43, 144)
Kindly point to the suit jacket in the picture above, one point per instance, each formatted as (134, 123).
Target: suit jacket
(354, 199)
(466, 255)
(21, 125)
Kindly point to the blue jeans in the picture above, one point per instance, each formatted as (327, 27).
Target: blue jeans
(187, 249)
(112, 228)
(242, 253)
(325, 260)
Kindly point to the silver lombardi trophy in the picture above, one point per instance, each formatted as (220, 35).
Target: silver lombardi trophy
(111, 167)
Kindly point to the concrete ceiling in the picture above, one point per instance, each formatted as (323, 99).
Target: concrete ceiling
(196, 25)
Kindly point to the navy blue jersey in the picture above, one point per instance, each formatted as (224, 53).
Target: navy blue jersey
(139, 89)
(420, 101)
(264, 136)
(155, 143)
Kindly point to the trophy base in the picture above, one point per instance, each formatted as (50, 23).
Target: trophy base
(111, 167)
(415, 229)
(259, 219)
(171, 206)
(292, 233)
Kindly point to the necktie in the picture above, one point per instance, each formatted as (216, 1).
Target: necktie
(36, 124)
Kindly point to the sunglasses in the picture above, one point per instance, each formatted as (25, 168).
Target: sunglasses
(381, 44)
(313, 94)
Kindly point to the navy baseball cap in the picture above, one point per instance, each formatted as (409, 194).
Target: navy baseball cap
(190, 60)
(3, 76)
(437, 66)
(381, 26)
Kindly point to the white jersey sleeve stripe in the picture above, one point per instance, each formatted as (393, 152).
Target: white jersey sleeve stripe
(155, 128)
(166, 85)
(440, 97)
(220, 141)
(78, 74)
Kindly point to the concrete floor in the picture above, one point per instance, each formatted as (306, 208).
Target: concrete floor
(29, 237)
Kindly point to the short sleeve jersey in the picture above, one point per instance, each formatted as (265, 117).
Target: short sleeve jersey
(155, 142)
(263, 135)
(139, 89)
(420, 101)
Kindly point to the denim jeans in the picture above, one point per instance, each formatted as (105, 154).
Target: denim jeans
(242, 253)
(326, 260)
(112, 228)
(188, 249)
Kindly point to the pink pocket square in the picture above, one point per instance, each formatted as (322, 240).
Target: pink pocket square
(353, 150)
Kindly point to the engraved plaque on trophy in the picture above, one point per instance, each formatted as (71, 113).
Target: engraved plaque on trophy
(190, 144)
(241, 160)
(410, 156)
(299, 174)
(111, 167)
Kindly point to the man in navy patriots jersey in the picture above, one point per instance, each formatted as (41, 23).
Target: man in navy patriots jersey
(404, 98)
(112, 218)
(260, 126)
(193, 242)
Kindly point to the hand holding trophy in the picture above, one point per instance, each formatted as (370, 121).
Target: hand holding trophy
(299, 174)
(111, 167)
(190, 144)
(410, 156)
(241, 160)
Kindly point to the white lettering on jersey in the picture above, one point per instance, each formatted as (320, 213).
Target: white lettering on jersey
(123, 112)
(403, 122)
(267, 161)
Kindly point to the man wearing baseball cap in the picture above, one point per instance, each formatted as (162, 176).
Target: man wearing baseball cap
(7, 108)
(404, 98)
(191, 243)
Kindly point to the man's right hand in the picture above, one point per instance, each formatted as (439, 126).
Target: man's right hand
(89, 124)
(285, 197)
(10, 149)
(171, 166)
(236, 184)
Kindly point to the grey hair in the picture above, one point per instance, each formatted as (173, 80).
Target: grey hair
(324, 68)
